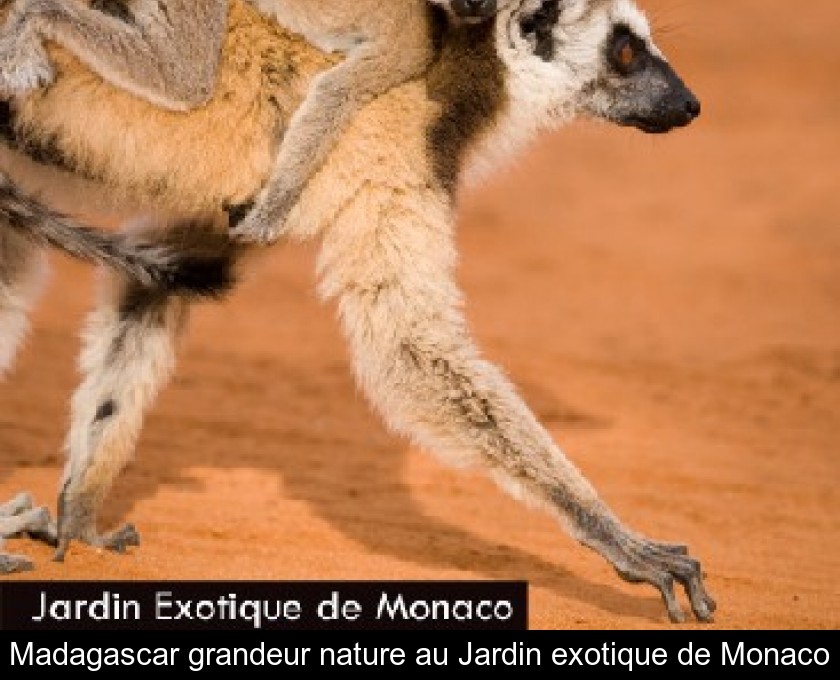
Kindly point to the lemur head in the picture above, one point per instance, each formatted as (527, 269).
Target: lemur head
(590, 57)
(539, 64)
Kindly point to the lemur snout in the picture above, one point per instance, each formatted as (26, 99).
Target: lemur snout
(682, 110)
(692, 106)
(672, 105)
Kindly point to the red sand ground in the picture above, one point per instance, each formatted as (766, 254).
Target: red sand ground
(668, 306)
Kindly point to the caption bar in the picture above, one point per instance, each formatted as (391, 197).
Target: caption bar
(201, 605)
(617, 651)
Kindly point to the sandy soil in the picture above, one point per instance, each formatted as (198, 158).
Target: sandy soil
(668, 306)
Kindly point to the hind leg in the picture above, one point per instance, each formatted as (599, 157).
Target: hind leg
(128, 355)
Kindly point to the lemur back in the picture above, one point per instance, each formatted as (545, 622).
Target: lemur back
(168, 53)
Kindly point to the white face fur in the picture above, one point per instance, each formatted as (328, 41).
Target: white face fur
(567, 58)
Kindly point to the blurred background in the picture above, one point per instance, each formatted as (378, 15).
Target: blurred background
(667, 305)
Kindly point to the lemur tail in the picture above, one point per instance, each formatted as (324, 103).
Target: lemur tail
(188, 260)
(149, 264)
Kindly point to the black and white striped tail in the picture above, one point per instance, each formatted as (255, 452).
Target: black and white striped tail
(189, 259)
(149, 264)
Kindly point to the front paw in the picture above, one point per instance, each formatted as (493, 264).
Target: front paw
(256, 230)
(260, 224)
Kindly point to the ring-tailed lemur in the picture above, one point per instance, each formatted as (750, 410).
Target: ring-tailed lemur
(383, 208)
(167, 51)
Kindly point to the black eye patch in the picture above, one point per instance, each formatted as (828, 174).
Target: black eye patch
(627, 53)
(540, 25)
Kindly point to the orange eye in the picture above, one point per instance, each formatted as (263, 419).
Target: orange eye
(626, 55)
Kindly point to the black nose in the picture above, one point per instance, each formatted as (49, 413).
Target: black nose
(692, 107)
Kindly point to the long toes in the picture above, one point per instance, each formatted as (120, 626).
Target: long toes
(39, 521)
(689, 573)
(639, 572)
(669, 597)
(47, 534)
(629, 576)
(702, 604)
(673, 548)
(14, 564)
(663, 564)
(20, 503)
(122, 539)
(699, 601)
(118, 541)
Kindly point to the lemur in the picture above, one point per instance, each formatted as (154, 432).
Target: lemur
(383, 209)
(167, 51)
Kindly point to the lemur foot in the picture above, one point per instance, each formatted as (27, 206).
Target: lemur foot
(118, 541)
(77, 522)
(24, 65)
(263, 224)
(21, 502)
(14, 564)
(18, 517)
(640, 560)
